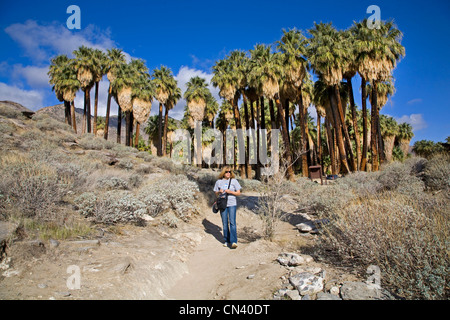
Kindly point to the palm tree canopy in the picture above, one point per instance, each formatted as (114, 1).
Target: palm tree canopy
(63, 76)
(377, 50)
(266, 70)
(328, 52)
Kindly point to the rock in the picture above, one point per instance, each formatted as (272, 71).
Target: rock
(53, 243)
(251, 276)
(334, 291)
(359, 291)
(42, 286)
(327, 296)
(293, 259)
(292, 295)
(307, 283)
(306, 227)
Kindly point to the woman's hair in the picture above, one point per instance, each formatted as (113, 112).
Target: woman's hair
(225, 169)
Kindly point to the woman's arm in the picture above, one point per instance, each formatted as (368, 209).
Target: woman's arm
(234, 193)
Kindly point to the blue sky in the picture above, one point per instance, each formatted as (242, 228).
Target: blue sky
(189, 36)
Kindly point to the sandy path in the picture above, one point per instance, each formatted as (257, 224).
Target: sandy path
(217, 272)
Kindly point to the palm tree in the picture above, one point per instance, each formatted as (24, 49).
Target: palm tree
(126, 77)
(143, 92)
(99, 70)
(294, 59)
(174, 97)
(405, 134)
(115, 60)
(196, 95)
(85, 65)
(389, 130)
(63, 77)
(229, 77)
(164, 82)
(328, 54)
(266, 72)
(378, 52)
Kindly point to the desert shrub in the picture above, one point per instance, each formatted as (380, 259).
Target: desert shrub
(174, 193)
(406, 237)
(85, 204)
(32, 187)
(436, 173)
(111, 207)
(112, 183)
(9, 112)
(125, 164)
(90, 142)
(250, 184)
(46, 123)
(400, 177)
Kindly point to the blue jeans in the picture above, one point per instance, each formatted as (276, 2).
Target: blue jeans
(229, 225)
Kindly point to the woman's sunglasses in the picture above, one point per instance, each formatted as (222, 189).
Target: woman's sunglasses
(227, 171)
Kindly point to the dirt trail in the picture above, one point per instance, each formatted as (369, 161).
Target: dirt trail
(152, 262)
(248, 272)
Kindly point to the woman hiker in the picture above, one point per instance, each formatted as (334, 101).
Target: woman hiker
(232, 189)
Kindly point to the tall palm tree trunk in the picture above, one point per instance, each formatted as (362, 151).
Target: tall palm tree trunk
(67, 117)
(338, 131)
(252, 127)
(302, 119)
(355, 123)
(166, 123)
(330, 143)
(348, 142)
(365, 131)
(319, 141)
(74, 119)
(258, 139)
(136, 138)
(374, 127)
(88, 109)
(237, 118)
(127, 128)
(285, 134)
(248, 173)
(273, 119)
(108, 110)
(119, 125)
(95, 108)
(160, 153)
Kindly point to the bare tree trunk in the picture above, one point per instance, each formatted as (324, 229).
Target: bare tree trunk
(88, 109)
(159, 153)
(67, 117)
(348, 142)
(166, 124)
(108, 110)
(127, 128)
(74, 119)
(302, 119)
(136, 138)
(374, 127)
(364, 114)
(338, 131)
(95, 108)
(237, 118)
(285, 134)
(355, 123)
(119, 125)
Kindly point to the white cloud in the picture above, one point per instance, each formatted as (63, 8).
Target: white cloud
(31, 99)
(415, 120)
(41, 42)
(35, 77)
(414, 101)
